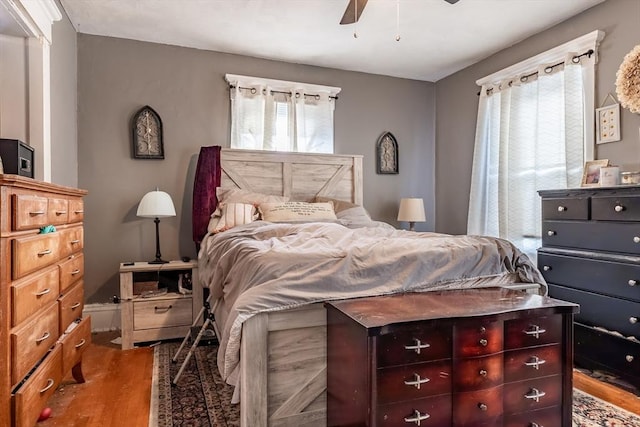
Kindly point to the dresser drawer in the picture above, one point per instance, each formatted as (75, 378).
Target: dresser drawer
(58, 211)
(614, 314)
(566, 208)
(478, 373)
(615, 208)
(70, 305)
(162, 313)
(541, 417)
(533, 332)
(71, 241)
(30, 211)
(31, 340)
(413, 381)
(31, 253)
(71, 270)
(76, 210)
(30, 294)
(598, 236)
(532, 362)
(532, 394)
(421, 342)
(433, 412)
(606, 277)
(32, 396)
(75, 342)
(477, 337)
(478, 408)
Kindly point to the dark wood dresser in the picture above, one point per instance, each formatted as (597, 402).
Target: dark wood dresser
(473, 357)
(590, 255)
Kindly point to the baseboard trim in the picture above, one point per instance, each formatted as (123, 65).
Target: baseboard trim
(104, 317)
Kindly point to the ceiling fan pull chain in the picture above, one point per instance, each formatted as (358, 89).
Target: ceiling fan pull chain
(355, 17)
(397, 20)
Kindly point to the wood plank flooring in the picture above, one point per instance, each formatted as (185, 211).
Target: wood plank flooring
(118, 389)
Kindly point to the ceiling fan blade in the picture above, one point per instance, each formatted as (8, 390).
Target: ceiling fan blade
(451, 1)
(349, 16)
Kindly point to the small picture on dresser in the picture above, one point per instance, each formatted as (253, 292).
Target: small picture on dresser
(591, 172)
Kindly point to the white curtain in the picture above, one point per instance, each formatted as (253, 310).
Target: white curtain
(530, 136)
(263, 118)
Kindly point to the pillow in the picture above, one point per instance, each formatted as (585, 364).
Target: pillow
(355, 214)
(296, 211)
(231, 215)
(338, 205)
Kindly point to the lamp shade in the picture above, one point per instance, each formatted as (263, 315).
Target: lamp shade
(411, 210)
(156, 204)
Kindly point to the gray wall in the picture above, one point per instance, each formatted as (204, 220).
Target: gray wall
(457, 101)
(116, 77)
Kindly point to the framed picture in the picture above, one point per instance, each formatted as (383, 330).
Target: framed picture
(146, 130)
(387, 154)
(608, 124)
(591, 173)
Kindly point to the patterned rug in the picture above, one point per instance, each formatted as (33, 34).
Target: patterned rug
(202, 398)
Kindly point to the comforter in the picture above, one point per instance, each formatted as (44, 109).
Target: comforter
(266, 266)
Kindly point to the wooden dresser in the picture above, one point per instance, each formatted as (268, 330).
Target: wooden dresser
(42, 333)
(494, 357)
(591, 255)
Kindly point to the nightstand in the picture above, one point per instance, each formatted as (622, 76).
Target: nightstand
(152, 308)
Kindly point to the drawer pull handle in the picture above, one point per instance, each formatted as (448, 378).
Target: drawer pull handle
(632, 282)
(417, 381)
(483, 342)
(629, 358)
(535, 331)
(43, 292)
(551, 233)
(45, 252)
(50, 384)
(418, 346)
(417, 417)
(535, 361)
(483, 372)
(546, 268)
(483, 406)
(636, 239)
(618, 208)
(163, 308)
(43, 337)
(36, 213)
(535, 394)
(81, 343)
(61, 212)
(78, 212)
(74, 306)
(74, 242)
(633, 320)
(74, 272)
(562, 208)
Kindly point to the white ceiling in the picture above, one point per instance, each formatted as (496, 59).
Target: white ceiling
(437, 38)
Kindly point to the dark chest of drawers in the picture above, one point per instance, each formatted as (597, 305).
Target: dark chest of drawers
(590, 255)
(472, 357)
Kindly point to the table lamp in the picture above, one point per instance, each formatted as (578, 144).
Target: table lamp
(412, 211)
(156, 204)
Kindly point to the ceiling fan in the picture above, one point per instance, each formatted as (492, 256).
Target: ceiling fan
(352, 14)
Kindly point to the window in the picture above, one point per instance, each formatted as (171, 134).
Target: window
(534, 132)
(281, 116)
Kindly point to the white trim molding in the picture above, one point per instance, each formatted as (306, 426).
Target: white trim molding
(35, 16)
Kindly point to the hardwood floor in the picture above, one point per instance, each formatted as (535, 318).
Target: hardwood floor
(118, 389)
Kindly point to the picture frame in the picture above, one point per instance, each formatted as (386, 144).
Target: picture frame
(387, 154)
(608, 124)
(146, 132)
(591, 172)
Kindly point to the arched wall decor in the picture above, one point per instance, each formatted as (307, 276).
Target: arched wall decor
(147, 134)
(387, 154)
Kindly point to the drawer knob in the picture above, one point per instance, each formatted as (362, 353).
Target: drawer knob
(484, 342)
(535, 330)
(417, 417)
(483, 372)
(618, 208)
(632, 282)
(43, 292)
(43, 337)
(636, 239)
(633, 320)
(546, 267)
(629, 358)
(551, 233)
(50, 383)
(562, 208)
(417, 381)
(535, 362)
(535, 394)
(483, 406)
(419, 345)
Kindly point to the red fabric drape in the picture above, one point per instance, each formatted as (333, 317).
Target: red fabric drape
(207, 179)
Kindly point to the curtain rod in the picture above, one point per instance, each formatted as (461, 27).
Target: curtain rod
(253, 91)
(548, 69)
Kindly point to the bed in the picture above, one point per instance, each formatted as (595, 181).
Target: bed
(280, 367)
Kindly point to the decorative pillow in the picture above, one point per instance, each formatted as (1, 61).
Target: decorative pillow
(356, 214)
(232, 214)
(338, 205)
(296, 211)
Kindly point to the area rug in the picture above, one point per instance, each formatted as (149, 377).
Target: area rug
(201, 398)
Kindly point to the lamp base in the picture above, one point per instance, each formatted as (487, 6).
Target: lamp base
(158, 261)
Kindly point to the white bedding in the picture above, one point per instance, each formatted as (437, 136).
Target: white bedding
(266, 266)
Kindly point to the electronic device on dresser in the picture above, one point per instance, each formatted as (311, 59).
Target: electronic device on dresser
(590, 255)
(42, 332)
(471, 357)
